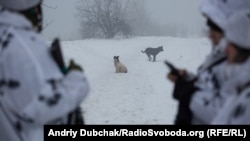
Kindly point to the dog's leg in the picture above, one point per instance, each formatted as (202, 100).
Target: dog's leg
(154, 58)
(149, 57)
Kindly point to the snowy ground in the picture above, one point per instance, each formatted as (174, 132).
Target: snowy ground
(143, 95)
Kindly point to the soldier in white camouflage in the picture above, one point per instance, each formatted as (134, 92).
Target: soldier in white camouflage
(33, 89)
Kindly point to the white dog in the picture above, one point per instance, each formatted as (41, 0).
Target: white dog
(120, 68)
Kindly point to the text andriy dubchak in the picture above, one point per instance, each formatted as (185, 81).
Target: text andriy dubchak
(120, 132)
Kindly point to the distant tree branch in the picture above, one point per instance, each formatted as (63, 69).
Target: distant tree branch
(47, 24)
(48, 6)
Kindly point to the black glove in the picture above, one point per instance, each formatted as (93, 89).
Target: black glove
(74, 66)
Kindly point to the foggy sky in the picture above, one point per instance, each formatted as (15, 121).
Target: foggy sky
(64, 24)
(176, 11)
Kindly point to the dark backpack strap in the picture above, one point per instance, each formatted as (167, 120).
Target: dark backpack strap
(216, 63)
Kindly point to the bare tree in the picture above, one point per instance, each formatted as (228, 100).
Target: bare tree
(103, 18)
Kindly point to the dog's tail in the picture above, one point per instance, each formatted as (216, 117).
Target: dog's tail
(142, 51)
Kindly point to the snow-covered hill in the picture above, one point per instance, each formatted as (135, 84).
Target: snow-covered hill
(143, 95)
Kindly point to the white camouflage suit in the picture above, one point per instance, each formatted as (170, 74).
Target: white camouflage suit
(33, 91)
(237, 107)
(204, 101)
(207, 101)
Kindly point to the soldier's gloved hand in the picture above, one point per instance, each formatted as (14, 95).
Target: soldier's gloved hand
(74, 66)
(174, 78)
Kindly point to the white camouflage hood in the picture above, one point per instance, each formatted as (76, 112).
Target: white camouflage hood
(14, 19)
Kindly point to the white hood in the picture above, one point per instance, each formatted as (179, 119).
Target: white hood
(14, 19)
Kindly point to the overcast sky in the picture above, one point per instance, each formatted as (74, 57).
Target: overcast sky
(181, 11)
(66, 26)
